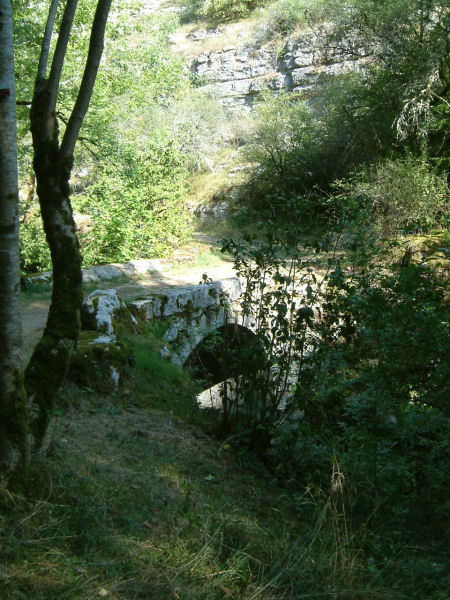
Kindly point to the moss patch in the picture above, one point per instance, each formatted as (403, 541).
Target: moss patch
(95, 365)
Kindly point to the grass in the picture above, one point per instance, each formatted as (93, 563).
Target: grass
(133, 502)
(158, 383)
(231, 34)
(138, 504)
(137, 501)
(209, 258)
(206, 187)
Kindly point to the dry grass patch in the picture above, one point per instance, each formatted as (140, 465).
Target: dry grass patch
(137, 504)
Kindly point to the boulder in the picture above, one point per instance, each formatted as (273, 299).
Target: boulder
(99, 363)
(103, 311)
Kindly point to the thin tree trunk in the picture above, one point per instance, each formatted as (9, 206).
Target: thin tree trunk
(13, 407)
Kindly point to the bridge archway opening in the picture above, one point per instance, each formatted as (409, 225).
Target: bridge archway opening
(225, 354)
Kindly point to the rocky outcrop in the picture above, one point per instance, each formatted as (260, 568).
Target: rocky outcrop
(98, 312)
(236, 74)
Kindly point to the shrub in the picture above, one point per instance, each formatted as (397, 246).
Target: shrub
(354, 370)
(409, 42)
(285, 15)
(197, 125)
(137, 207)
(299, 150)
(403, 195)
(284, 144)
(284, 134)
(220, 11)
(376, 389)
(34, 251)
(283, 321)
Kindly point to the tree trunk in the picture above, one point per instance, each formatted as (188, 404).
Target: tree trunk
(13, 407)
(50, 360)
(53, 165)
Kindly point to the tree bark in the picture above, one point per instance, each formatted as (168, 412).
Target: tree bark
(13, 407)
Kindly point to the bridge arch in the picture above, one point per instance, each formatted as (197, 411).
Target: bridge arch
(224, 353)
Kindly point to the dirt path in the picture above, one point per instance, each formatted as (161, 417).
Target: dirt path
(34, 309)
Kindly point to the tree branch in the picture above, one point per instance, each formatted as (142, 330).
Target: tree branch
(46, 40)
(84, 141)
(60, 53)
(87, 84)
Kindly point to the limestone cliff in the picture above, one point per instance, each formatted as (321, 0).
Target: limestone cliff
(235, 73)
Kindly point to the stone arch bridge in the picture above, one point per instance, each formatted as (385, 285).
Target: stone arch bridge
(190, 315)
(194, 313)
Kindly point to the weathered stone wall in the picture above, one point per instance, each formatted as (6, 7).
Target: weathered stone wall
(192, 313)
(104, 272)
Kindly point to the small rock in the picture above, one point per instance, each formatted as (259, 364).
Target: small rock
(165, 353)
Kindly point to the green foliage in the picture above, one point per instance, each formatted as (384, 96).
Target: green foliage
(300, 151)
(409, 39)
(285, 143)
(29, 19)
(130, 176)
(197, 126)
(358, 110)
(284, 135)
(220, 11)
(285, 15)
(34, 252)
(354, 372)
(397, 100)
(260, 400)
(403, 195)
(137, 209)
(137, 187)
(374, 392)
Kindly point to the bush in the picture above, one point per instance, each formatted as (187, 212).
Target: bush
(34, 251)
(137, 207)
(284, 144)
(273, 300)
(409, 42)
(220, 11)
(375, 388)
(197, 125)
(354, 370)
(403, 195)
(285, 15)
(299, 150)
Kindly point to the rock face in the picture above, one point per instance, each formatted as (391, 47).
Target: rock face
(99, 310)
(236, 74)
